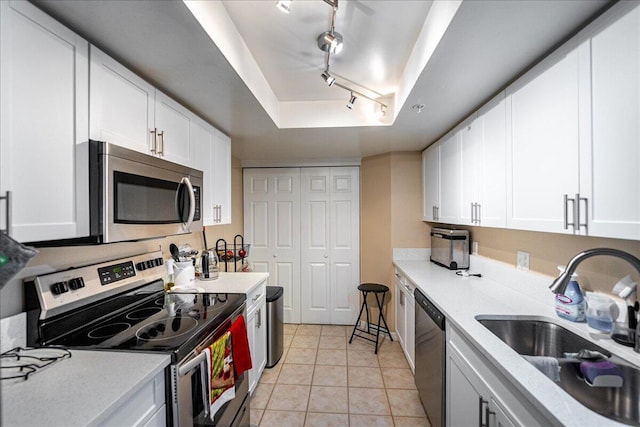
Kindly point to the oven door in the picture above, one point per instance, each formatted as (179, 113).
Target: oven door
(189, 389)
(145, 197)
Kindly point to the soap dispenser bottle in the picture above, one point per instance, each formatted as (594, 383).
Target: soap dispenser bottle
(571, 305)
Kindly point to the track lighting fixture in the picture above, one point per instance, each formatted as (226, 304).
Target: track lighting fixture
(330, 42)
(382, 111)
(352, 100)
(328, 78)
(284, 6)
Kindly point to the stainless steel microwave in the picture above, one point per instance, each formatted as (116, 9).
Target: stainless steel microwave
(135, 196)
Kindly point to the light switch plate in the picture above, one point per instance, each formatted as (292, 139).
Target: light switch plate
(522, 260)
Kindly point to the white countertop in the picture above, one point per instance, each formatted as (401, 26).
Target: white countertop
(233, 283)
(82, 390)
(504, 290)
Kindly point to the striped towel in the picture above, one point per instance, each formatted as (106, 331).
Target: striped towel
(221, 382)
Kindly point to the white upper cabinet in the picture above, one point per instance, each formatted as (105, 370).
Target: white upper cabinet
(610, 156)
(171, 131)
(212, 155)
(128, 111)
(44, 82)
(122, 105)
(221, 184)
(430, 182)
(449, 207)
(202, 135)
(470, 143)
(543, 154)
(492, 208)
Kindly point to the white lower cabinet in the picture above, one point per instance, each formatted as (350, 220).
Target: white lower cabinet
(405, 305)
(146, 407)
(475, 393)
(257, 332)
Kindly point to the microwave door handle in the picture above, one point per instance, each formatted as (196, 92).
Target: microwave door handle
(192, 204)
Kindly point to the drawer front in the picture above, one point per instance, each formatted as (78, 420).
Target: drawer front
(256, 297)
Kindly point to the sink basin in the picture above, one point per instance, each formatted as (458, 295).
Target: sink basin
(536, 337)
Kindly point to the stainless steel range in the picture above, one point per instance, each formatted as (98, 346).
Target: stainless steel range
(121, 305)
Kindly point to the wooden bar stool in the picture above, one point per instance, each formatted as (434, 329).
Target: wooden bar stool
(376, 289)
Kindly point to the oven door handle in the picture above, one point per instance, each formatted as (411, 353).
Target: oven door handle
(199, 360)
(192, 204)
(188, 367)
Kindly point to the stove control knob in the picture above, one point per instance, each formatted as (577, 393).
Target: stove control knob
(76, 283)
(144, 336)
(152, 332)
(59, 288)
(141, 266)
(161, 327)
(150, 264)
(159, 262)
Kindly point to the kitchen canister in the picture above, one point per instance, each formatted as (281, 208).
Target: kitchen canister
(184, 274)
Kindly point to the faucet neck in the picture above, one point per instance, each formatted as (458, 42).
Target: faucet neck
(559, 285)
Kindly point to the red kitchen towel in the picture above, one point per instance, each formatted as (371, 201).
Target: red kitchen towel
(240, 344)
(221, 383)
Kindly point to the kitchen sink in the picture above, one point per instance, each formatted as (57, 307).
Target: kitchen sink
(538, 337)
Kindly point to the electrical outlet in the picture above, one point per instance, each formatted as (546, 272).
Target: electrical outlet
(522, 260)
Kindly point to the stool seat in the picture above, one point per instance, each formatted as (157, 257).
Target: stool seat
(376, 289)
(373, 287)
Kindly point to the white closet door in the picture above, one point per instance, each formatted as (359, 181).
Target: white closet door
(315, 208)
(345, 244)
(330, 206)
(272, 227)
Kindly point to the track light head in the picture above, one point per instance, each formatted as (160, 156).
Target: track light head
(284, 6)
(330, 42)
(352, 101)
(328, 78)
(381, 112)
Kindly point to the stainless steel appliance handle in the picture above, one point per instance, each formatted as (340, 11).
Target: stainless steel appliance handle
(192, 204)
(7, 199)
(188, 367)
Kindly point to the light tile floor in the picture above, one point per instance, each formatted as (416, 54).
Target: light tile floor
(322, 380)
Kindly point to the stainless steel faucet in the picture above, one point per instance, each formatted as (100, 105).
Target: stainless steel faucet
(559, 285)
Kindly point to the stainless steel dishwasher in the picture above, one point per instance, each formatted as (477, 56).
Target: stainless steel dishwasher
(430, 359)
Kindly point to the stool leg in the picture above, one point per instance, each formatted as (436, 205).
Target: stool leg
(384, 320)
(364, 304)
(367, 311)
(379, 316)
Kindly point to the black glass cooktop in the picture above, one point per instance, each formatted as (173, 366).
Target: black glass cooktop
(147, 321)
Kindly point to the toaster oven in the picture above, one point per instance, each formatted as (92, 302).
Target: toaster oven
(450, 248)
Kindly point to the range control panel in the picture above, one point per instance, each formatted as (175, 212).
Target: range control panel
(64, 290)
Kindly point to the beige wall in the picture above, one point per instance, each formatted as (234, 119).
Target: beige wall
(548, 250)
(391, 216)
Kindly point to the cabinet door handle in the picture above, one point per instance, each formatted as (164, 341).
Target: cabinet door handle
(259, 318)
(154, 141)
(482, 414)
(161, 144)
(401, 298)
(7, 199)
(479, 213)
(566, 212)
(586, 213)
(256, 297)
(488, 413)
(473, 213)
